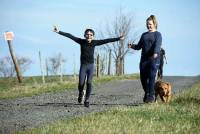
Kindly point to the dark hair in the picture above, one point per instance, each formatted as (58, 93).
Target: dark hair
(89, 30)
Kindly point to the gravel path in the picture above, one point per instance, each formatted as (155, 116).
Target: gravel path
(29, 112)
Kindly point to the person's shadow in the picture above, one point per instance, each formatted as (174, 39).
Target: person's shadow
(92, 104)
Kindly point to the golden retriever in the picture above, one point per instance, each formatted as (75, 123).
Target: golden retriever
(164, 90)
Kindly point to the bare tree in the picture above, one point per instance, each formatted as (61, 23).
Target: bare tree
(7, 68)
(55, 63)
(121, 25)
(24, 63)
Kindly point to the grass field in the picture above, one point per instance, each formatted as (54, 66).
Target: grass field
(10, 88)
(180, 116)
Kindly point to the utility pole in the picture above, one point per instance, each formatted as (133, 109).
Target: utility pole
(9, 37)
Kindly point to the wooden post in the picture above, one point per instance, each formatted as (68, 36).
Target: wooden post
(61, 73)
(41, 68)
(47, 68)
(109, 62)
(98, 66)
(9, 37)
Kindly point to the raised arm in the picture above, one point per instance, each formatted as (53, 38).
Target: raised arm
(76, 39)
(104, 41)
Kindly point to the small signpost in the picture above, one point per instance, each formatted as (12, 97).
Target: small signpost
(9, 37)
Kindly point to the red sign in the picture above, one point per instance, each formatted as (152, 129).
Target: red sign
(8, 35)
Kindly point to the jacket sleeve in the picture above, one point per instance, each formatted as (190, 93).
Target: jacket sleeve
(139, 45)
(104, 41)
(76, 39)
(158, 43)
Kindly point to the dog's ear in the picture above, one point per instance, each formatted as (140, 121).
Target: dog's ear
(167, 83)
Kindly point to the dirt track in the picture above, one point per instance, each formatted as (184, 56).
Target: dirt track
(29, 112)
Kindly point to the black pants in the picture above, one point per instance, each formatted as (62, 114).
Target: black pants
(86, 71)
(148, 69)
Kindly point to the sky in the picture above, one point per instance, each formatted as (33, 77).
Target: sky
(32, 22)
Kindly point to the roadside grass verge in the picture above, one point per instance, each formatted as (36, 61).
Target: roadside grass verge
(10, 88)
(180, 116)
(30, 90)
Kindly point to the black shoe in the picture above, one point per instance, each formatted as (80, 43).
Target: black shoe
(86, 104)
(150, 100)
(80, 97)
(145, 97)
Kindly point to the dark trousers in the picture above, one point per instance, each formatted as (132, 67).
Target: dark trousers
(148, 70)
(86, 71)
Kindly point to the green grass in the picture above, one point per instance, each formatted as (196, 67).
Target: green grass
(180, 116)
(10, 88)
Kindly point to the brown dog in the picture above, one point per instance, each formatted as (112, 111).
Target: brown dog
(164, 90)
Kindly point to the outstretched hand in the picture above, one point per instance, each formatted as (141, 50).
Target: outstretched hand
(121, 37)
(129, 45)
(55, 29)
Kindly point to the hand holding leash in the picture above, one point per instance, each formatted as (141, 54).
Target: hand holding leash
(130, 45)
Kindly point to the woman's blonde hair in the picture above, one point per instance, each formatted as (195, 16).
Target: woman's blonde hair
(153, 18)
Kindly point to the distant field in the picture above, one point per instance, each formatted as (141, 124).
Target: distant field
(10, 88)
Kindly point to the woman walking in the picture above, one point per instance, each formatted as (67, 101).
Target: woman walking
(150, 43)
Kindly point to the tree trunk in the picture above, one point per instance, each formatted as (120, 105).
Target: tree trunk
(117, 64)
(120, 66)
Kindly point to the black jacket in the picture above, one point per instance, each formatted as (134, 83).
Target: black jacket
(87, 49)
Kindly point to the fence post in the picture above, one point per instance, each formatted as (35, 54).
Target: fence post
(41, 67)
(98, 66)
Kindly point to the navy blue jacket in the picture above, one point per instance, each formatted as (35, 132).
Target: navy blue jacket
(150, 43)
